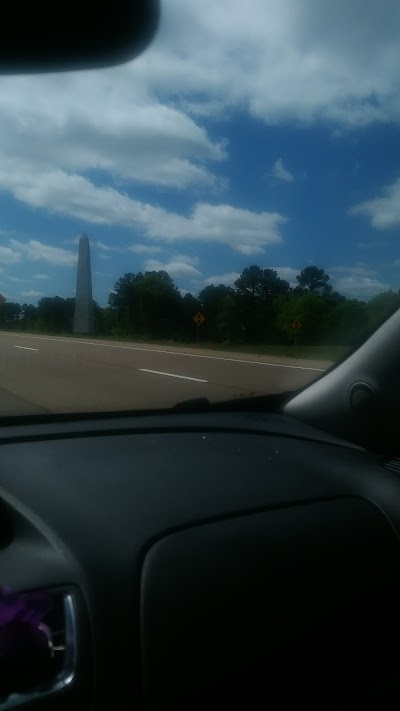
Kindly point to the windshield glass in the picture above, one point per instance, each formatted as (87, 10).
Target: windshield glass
(233, 196)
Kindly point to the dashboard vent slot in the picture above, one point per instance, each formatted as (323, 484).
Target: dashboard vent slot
(392, 464)
(361, 396)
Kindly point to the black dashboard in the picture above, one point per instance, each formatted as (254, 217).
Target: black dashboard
(214, 560)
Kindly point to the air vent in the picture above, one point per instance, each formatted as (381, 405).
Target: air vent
(392, 464)
(361, 396)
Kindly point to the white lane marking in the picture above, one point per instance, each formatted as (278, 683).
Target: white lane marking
(172, 375)
(25, 348)
(154, 350)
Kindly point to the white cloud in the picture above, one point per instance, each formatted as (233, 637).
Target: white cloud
(186, 259)
(249, 249)
(145, 249)
(360, 280)
(179, 267)
(110, 120)
(288, 274)
(281, 173)
(361, 287)
(357, 270)
(36, 251)
(16, 280)
(43, 277)
(226, 279)
(245, 231)
(106, 250)
(205, 108)
(8, 255)
(32, 294)
(383, 211)
(357, 281)
(281, 59)
(102, 246)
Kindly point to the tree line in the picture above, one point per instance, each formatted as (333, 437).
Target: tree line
(260, 308)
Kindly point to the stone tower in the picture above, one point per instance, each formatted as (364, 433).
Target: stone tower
(83, 317)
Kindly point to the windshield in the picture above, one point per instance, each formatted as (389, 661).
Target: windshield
(216, 218)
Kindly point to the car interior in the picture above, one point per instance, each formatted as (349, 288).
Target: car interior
(243, 554)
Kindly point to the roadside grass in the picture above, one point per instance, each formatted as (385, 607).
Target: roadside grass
(329, 353)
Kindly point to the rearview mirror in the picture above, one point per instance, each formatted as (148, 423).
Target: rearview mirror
(81, 34)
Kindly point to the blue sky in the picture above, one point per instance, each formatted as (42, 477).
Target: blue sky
(264, 132)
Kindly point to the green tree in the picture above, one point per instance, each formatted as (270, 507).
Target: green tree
(261, 283)
(159, 303)
(146, 304)
(310, 309)
(10, 313)
(98, 320)
(250, 281)
(210, 299)
(257, 289)
(55, 314)
(124, 302)
(314, 280)
(381, 307)
(29, 315)
(190, 305)
(124, 291)
(272, 285)
(228, 322)
(350, 320)
(105, 322)
(211, 295)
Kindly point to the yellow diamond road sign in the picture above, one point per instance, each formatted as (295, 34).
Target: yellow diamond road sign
(199, 318)
(296, 325)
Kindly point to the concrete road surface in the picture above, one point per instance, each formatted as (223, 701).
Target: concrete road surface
(44, 374)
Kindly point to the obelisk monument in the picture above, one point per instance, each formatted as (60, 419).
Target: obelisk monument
(83, 316)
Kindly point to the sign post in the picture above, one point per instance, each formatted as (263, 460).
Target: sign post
(199, 320)
(296, 325)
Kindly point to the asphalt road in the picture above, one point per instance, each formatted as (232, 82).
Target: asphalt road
(43, 374)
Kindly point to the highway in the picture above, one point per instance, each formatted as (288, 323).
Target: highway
(45, 374)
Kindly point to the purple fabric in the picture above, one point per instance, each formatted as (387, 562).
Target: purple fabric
(29, 607)
(25, 655)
